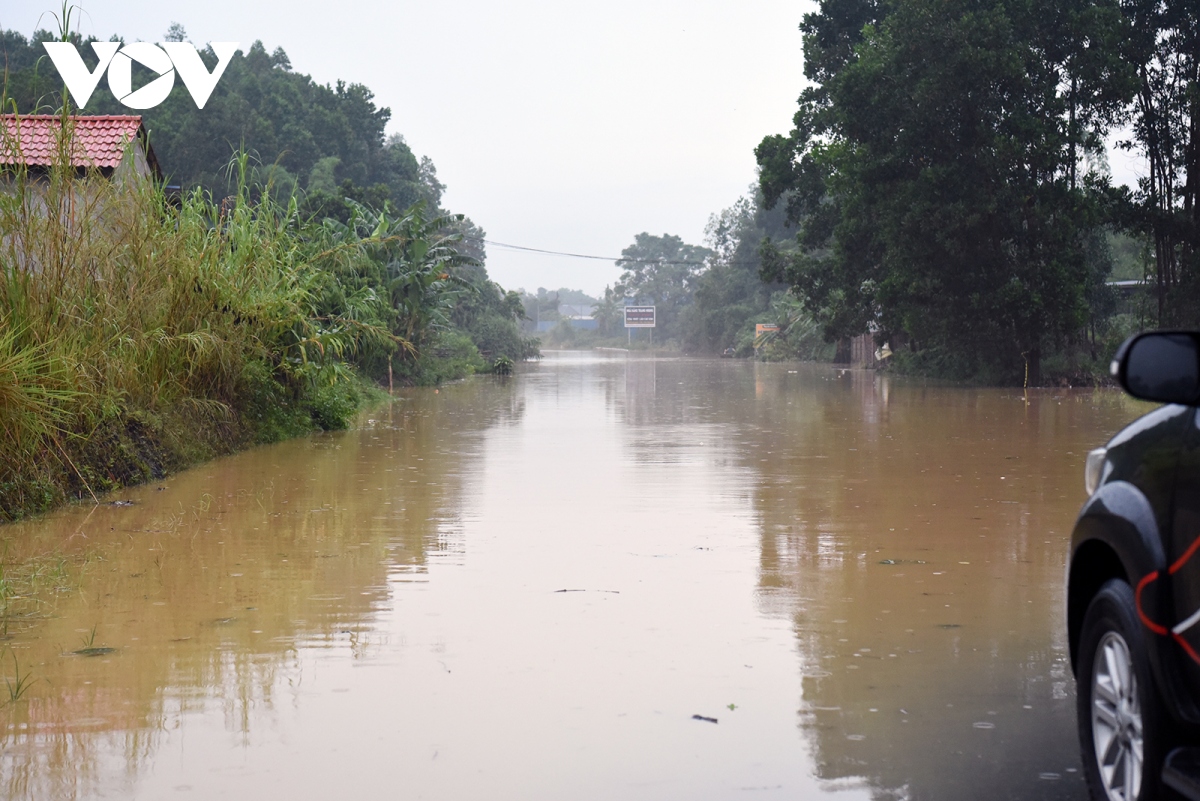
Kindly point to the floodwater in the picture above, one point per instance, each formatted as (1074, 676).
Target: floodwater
(528, 588)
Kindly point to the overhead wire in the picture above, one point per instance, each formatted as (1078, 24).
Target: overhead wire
(622, 259)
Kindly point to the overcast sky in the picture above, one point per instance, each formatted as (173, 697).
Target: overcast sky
(557, 125)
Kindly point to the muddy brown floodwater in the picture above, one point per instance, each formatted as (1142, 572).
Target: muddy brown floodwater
(527, 589)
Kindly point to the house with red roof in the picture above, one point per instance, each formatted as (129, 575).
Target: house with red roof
(111, 145)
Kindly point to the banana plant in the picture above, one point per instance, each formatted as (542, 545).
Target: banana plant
(418, 259)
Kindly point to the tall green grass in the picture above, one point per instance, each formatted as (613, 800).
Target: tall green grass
(137, 335)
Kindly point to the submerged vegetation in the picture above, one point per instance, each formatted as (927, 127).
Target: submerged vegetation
(19, 683)
(26, 580)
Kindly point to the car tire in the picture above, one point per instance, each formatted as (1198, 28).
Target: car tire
(1117, 702)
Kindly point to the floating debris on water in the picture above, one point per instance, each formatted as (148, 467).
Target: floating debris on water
(610, 592)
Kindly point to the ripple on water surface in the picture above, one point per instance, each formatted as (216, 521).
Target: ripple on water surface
(654, 578)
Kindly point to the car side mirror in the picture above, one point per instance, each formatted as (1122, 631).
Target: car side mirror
(1160, 366)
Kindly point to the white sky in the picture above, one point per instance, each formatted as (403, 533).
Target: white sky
(557, 125)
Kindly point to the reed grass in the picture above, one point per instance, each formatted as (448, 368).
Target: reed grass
(138, 336)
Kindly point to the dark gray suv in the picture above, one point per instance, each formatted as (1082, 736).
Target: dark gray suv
(1133, 584)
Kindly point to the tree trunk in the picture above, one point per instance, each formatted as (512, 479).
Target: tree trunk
(843, 351)
(1071, 134)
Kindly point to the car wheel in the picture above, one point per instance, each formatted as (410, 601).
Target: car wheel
(1122, 723)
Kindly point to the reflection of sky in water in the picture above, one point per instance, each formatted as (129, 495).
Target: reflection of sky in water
(526, 589)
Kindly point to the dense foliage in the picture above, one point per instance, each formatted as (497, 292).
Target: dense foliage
(305, 259)
(707, 298)
(299, 133)
(136, 339)
(946, 171)
(137, 335)
(660, 271)
(730, 295)
(326, 148)
(1159, 49)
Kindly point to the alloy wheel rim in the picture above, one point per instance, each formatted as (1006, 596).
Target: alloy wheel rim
(1117, 719)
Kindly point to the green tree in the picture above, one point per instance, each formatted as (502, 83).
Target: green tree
(323, 135)
(1162, 46)
(933, 173)
(730, 295)
(609, 315)
(661, 270)
(488, 314)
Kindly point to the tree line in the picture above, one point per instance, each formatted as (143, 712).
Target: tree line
(947, 174)
(328, 141)
(946, 189)
(707, 298)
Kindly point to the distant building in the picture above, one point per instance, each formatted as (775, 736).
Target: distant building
(577, 311)
(577, 315)
(110, 145)
(580, 316)
(582, 323)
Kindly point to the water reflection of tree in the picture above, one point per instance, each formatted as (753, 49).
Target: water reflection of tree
(925, 676)
(210, 588)
(870, 494)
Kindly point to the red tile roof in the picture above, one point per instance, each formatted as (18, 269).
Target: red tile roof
(98, 141)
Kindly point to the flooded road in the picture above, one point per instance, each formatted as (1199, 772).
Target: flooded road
(529, 589)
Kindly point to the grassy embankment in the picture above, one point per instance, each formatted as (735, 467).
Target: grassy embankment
(137, 338)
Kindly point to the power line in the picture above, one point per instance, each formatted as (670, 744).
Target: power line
(694, 262)
(559, 252)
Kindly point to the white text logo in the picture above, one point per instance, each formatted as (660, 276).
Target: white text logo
(164, 59)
